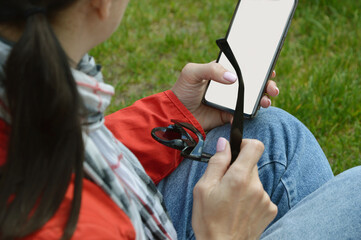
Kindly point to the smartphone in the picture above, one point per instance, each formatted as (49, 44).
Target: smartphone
(255, 35)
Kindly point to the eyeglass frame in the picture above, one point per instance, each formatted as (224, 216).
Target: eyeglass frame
(186, 144)
(236, 134)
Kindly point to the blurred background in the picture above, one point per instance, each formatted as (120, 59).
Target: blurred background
(318, 72)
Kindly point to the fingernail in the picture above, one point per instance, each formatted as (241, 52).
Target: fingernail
(230, 77)
(269, 102)
(221, 144)
(277, 91)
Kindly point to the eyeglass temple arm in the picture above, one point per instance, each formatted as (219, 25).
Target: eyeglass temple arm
(237, 124)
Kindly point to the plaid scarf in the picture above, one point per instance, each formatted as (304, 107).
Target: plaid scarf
(107, 161)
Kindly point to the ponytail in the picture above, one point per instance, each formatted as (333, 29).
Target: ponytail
(45, 144)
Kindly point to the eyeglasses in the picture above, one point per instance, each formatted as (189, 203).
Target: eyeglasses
(176, 136)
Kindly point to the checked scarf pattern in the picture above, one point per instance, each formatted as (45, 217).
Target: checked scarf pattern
(107, 161)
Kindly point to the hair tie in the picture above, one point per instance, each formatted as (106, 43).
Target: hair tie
(35, 10)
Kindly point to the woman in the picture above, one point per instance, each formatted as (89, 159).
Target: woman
(65, 174)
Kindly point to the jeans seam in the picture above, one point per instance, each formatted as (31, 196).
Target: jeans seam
(280, 180)
(272, 162)
(287, 194)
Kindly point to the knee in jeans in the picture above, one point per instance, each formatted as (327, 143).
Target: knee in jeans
(353, 175)
(277, 125)
(274, 115)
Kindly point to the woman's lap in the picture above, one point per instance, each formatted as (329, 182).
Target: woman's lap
(331, 212)
(292, 166)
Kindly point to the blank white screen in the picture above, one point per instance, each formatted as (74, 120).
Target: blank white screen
(254, 38)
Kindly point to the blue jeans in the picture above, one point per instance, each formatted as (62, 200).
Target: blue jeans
(292, 167)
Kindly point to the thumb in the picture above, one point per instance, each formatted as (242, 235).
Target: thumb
(219, 163)
(196, 73)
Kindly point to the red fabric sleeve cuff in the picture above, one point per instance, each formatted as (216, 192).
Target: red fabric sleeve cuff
(182, 109)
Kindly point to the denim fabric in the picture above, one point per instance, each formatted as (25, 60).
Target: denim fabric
(332, 212)
(292, 166)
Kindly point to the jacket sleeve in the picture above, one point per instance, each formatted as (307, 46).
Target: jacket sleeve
(133, 125)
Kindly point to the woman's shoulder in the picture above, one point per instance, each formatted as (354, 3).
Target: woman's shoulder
(99, 218)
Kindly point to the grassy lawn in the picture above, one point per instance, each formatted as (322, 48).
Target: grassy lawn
(318, 73)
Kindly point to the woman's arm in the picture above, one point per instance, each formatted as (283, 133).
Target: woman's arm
(133, 125)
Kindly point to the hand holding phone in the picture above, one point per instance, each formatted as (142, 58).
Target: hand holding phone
(256, 35)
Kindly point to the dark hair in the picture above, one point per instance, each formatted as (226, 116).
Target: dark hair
(45, 144)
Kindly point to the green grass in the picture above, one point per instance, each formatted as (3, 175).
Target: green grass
(318, 72)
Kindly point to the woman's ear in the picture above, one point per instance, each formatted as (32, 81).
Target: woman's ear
(102, 8)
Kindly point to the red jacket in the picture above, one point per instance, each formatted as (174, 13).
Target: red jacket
(99, 215)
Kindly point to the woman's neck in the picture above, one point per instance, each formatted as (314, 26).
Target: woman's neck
(11, 33)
